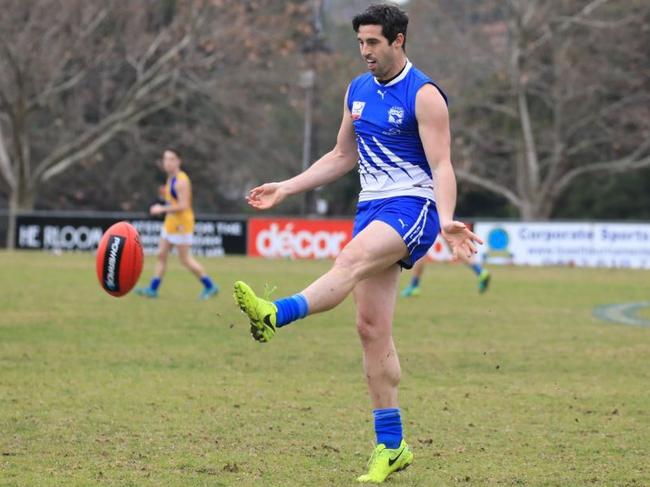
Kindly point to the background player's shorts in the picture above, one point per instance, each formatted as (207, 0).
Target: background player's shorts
(176, 238)
(414, 218)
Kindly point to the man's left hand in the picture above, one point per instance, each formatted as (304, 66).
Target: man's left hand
(460, 239)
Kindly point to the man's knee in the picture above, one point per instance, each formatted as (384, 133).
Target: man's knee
(372, 330)
(352, 262)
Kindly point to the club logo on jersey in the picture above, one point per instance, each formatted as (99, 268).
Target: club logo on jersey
(396, 115)
(357, 109)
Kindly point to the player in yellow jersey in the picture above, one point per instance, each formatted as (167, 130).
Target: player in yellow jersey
(178, 228)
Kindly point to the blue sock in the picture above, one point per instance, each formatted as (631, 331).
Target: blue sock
(290, 309)
(207, 282)
(388, 427)
(476, 268)
(415, 282)
(155, 283)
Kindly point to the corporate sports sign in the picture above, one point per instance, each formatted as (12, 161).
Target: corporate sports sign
(212, 236)
(297, 238)
(579, 244)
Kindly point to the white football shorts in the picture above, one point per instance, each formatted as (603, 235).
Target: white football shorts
(176, 238)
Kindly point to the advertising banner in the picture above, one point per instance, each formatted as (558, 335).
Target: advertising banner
(212, 236)
(297, 238)
(574, 244)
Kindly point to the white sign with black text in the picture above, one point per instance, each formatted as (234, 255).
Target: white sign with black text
(581, 244)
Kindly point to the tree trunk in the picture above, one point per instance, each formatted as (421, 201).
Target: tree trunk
(544, 208)
(20, 199)
(11, 222)
(527, 210)
(536, 209)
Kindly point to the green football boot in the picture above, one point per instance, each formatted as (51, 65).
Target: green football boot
(261, 312)
(410, 291)
(208, 292)
(147, 292)
(384, 461)
(484, 281)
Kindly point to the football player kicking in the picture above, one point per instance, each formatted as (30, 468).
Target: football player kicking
(396, 127)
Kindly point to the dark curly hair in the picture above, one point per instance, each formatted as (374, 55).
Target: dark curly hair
(392, 19)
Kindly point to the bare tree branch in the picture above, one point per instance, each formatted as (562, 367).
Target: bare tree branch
(45, 95)
(493, 107)
(597, 24)
(5, 106)
(139, 64)
(88, 144)
(634, 98)
(153, 79)
(633, 161)
(145, 84)
(17, 71)
(98, 18)
(490, 185)
(566, 22)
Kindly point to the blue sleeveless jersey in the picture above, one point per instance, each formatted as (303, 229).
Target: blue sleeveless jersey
(392, 161)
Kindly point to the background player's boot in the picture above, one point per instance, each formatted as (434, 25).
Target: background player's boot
(484, 280)
(410, 291)
(384, 461)
(208, 292)
(261, 313)
(147, 292)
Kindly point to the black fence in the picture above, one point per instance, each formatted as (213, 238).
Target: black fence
(213, 235)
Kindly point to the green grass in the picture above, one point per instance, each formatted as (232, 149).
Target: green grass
(520, 386)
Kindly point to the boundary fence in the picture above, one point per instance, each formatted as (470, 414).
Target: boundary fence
(578, 243)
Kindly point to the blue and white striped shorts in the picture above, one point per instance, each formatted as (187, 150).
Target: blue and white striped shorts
(414, 218)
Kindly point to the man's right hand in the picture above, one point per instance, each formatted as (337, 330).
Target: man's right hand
(266, 196)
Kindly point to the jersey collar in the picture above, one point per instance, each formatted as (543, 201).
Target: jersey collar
(399, 78)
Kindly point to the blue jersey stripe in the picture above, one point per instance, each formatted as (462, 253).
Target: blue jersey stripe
(172, 188)
(390, 158)
(366, 155)
(364, 169)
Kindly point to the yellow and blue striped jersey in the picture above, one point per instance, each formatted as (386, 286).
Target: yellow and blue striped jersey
(178, 221)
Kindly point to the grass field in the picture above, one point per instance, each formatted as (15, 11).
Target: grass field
(520, 386)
